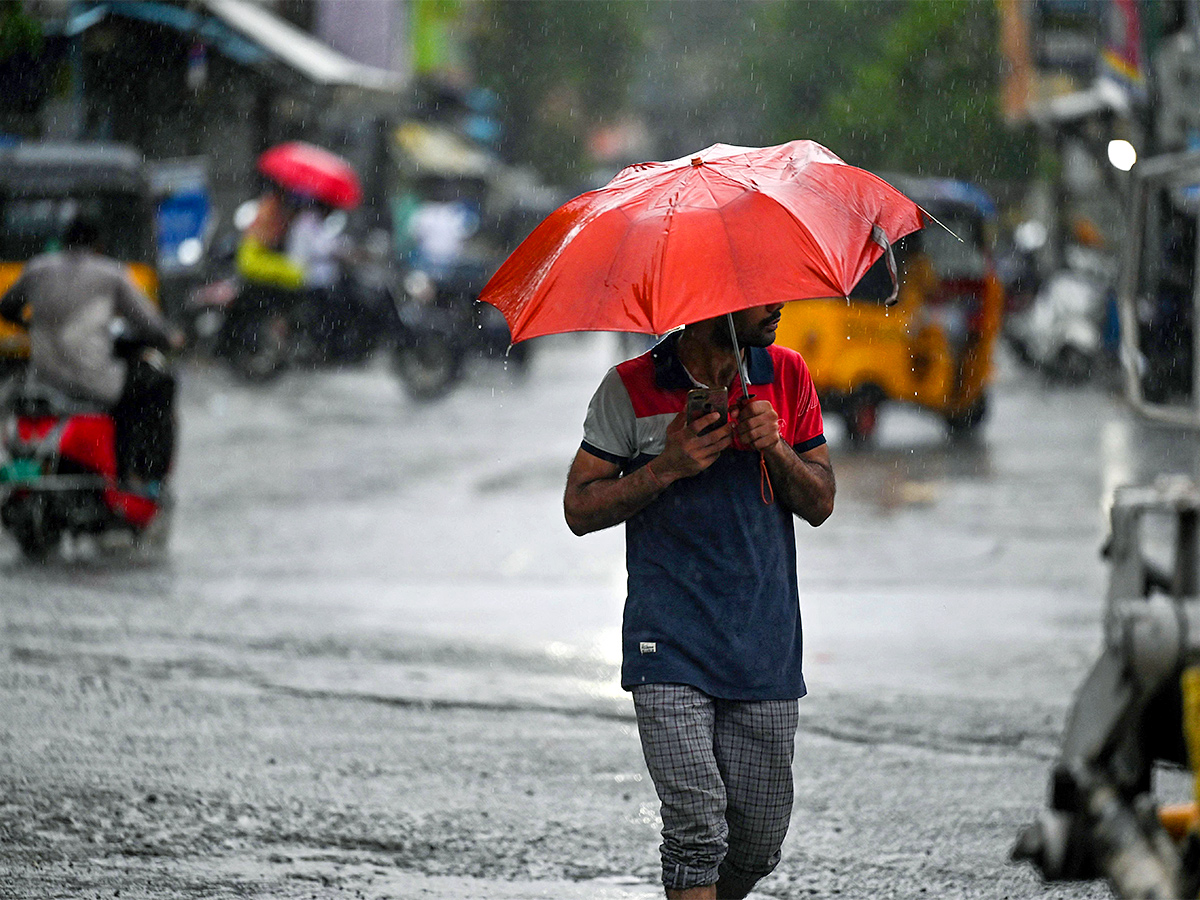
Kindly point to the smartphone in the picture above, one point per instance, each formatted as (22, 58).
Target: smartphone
(702, 401)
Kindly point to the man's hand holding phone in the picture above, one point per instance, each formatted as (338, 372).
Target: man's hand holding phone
(695, 437)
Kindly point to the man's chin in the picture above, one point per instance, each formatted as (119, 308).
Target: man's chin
(764, 338)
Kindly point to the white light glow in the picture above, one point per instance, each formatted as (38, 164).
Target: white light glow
(1122, 154)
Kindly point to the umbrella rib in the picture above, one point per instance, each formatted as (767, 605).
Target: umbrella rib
(660, 256)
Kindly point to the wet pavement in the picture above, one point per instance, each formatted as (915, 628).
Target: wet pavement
(376, 663)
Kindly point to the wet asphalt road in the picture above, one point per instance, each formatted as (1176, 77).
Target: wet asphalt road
(375, 662)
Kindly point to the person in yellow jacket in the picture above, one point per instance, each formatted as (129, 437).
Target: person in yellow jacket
(261, 258)
(271, 282)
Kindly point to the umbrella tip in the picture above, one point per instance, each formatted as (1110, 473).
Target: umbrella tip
(697, 161)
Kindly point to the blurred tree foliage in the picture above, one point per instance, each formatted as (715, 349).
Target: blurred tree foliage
(560, 69)
(911, 86)
(20, 33)
(24, 74)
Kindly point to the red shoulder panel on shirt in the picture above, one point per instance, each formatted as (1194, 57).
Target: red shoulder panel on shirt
(648, 398)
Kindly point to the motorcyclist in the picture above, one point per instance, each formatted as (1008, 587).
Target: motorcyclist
(270, 279)
(261, 255)
(69, 301)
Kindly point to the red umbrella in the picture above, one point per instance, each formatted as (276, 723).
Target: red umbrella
(669, 243)
(312, 172)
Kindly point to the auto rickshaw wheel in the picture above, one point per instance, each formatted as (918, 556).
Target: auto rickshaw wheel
(861, 413)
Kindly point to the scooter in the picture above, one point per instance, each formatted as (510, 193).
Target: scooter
(60, 478)
(1062, 331)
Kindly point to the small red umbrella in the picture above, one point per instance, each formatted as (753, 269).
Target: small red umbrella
(313, 172)
(669, 243)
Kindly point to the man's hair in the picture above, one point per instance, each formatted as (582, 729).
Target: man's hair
(83, 232)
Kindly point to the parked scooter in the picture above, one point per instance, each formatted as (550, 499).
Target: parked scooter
(1062, 332)
(60, 478)
(478, 330)
(262, 332)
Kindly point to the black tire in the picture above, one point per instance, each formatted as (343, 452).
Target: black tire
(861, 414)
(31, 519)
(429, 366)
(262, 350)
(967, 422)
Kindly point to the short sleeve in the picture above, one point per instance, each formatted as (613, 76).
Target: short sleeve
(809, 430)
(608, 428)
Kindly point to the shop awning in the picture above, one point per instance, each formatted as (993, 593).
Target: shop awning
(1101, 98)
(312, 58)
(250, 35)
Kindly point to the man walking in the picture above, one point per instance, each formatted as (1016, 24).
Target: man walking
(711, 636)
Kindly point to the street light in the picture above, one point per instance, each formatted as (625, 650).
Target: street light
(1122, 154)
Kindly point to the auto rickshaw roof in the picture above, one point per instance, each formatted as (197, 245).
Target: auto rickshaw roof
(65, 168)
(927, 190)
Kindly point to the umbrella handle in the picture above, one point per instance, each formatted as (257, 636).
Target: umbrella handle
(879, 236)
(765, 487)
(737, 354)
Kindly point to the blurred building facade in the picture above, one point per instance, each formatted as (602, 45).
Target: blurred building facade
(1085, 73)
(213, 80)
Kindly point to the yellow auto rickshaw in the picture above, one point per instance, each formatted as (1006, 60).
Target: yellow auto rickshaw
(45, 185)
(934, 347)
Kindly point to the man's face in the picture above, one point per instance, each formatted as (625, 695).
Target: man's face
(756, 326)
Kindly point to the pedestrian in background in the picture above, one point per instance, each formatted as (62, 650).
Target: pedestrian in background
(711, 637)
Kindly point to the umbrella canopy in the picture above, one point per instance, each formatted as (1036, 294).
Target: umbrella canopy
(312, 172)
(669, 243)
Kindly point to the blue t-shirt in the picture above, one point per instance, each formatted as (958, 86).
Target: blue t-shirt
(712, 595)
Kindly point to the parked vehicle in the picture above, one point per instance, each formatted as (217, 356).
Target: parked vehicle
(1137, 713)
(1068, 328)
(477, 330)
(262, 332)
(1062, 332)
(934, 347)
(60, 476)
(45, 185)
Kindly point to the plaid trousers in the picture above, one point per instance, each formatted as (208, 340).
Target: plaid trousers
(723, 771)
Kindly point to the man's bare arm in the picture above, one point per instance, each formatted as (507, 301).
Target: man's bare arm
(803, 482)
(598, 496)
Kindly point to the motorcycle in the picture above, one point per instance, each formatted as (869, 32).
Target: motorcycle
(262, 332)
(478, 330)
(60, 478)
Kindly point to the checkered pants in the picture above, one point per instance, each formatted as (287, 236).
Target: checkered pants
(723, 771)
